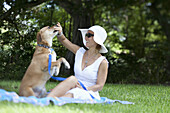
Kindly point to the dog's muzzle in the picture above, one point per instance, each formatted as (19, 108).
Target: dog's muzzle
(55, 31)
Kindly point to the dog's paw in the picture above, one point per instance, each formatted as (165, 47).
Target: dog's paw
(67, 65)
(56, 71)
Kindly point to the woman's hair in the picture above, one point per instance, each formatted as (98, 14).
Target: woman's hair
(98, 47)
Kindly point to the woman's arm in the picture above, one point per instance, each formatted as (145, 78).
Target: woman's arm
(68, 44)
(101, 78)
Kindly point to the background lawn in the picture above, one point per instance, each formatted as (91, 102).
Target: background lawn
(147, 99)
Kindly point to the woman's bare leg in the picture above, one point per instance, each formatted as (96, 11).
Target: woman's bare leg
(68, 95)
(63, 87)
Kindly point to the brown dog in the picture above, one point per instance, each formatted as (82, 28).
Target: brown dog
(36, 76)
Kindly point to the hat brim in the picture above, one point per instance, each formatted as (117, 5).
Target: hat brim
(103, 48)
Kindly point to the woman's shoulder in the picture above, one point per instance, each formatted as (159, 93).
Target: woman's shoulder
(104, 64)
(104, 61)
(80, 50)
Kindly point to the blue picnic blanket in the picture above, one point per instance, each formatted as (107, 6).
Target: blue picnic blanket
(14, 97)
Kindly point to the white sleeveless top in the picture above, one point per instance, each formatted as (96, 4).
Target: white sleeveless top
(88, 76)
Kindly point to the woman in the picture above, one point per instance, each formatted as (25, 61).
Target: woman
(90, 66)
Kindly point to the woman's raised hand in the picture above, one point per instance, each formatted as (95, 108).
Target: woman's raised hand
(59, 28)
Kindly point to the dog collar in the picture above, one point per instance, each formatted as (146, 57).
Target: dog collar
(41, 45)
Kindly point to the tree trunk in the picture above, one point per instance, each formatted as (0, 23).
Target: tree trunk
(81, 15)
(78, 22)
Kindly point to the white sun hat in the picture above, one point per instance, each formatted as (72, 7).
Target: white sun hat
(100, 36)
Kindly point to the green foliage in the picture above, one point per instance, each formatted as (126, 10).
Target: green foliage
(140, 56)
(18, 40)
(137, 40)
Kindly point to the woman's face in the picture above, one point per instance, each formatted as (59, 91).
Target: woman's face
(89, 40)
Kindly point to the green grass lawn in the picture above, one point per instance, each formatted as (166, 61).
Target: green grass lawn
(147, 99)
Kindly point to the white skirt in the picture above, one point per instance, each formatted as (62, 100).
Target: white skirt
(83, 94)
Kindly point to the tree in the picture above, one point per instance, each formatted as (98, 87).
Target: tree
(82, 14)
(137, 34)
(160, 11)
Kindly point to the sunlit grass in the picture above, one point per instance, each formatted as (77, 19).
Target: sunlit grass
(147, 99)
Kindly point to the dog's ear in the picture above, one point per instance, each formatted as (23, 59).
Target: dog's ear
(39, 39)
